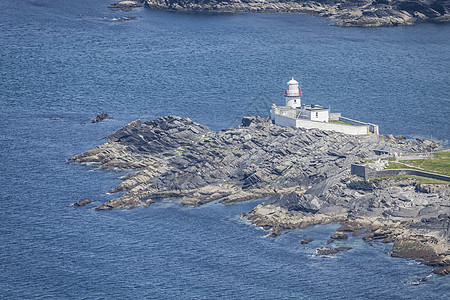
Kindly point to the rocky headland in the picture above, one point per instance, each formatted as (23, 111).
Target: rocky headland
(363, 13)
(304, 173)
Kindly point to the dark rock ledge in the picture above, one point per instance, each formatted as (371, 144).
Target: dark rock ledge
(305, 173)
(363, 13)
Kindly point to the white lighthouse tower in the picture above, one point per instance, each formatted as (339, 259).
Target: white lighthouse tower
(293, 94)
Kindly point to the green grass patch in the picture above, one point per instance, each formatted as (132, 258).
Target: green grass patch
(399, 165)
(439, 163)
(366, 160)
(340, 122)
(419, 179)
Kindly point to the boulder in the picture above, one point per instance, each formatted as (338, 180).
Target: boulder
(276, 231)
(339, 236)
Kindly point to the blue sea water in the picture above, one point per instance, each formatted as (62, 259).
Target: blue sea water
(70, 60)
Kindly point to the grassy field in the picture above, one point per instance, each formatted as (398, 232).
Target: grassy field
(439, 163)
(419, 179)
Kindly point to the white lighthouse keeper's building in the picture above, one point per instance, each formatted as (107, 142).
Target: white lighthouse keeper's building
(293, 94)
(314, 116)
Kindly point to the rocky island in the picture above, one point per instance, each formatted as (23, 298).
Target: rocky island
(305, 175)
(363, 13)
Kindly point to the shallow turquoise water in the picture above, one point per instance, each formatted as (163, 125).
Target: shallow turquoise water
(70, 60)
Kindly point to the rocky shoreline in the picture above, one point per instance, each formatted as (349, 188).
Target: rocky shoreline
(305, 174)
(360, 13)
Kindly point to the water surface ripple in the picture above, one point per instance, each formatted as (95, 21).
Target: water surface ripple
(69, 60)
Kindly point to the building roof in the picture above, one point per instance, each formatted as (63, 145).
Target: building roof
(314, 107)
(292, 81)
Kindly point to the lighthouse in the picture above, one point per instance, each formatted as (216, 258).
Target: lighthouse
(293, 94)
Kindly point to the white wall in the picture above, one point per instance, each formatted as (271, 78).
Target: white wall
(293, 102)
(347, 129)
(285, 116)
(335, 116)
(372, 127)
(285, 121)
(320, 116)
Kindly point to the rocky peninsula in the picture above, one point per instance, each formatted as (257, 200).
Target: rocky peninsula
(305, 174)
(362, 13)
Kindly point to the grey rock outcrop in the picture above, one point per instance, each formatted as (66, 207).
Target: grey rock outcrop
(176, 157)
(364, 13)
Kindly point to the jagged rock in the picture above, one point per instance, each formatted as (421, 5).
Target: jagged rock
(388, 239)
(361, 185)
(100, 117)
(274, 233)
(357, 232)
(339, 236)
(332, 250)
(126, 202)
(433, 188)
(82, 202)
(148, 202)
(369, 237)
(442, 271)
(415, 247)
(307, 241)
(349, 226)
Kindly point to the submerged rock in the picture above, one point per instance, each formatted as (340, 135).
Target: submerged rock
(307, 241)
(82, 202)
(339, 236)
(331, 250)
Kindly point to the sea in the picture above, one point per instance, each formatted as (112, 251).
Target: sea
(62, 62)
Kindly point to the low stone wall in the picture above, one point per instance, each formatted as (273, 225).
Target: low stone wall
(372, 127)
(347, 129)
(391, 172)
(366, 173)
